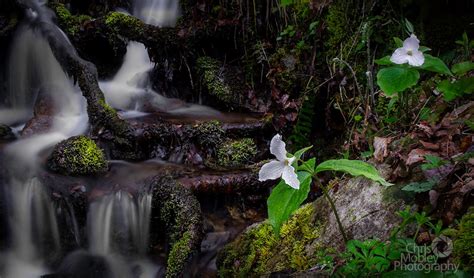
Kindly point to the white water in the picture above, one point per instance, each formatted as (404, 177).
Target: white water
(33, 226)
(119, 224)
(130, 89)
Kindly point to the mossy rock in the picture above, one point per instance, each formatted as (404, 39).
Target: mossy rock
(213, 78)
(117, 21)
(77, 156)
(464, 243)
(6, 133)
(236, 153)
(209, 134)
(258, 251)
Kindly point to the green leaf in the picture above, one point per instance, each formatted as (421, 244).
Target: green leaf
(353, 167)
(285, 3)
(384, 61)
(424, 49)
(435, 64)
(419, 187)
(308, 166)
(397, 79)
(284, 200)
(455, 89)
(462, 68)
(298, 154)
(398, 41)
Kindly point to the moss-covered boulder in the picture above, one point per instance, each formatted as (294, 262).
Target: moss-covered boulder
(236, 153)
(464, 243)
(77, 156)
(259, 251)
(6, 133)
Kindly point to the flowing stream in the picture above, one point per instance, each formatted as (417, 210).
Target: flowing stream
(117, 223)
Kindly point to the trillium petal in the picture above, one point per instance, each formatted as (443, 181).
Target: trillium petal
(416, 59)
(271, 170)
(290, 177)
(412, 43)
(400, 56)
(278, 147)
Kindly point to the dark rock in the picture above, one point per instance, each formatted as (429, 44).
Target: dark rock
(6, 133)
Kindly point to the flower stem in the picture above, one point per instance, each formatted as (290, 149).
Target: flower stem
(333, 207)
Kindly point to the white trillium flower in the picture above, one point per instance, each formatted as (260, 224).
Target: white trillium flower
(410, 53)
(280, 167)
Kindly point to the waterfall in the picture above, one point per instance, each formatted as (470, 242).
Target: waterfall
(119, 221)
(130, 89)
(35, 73)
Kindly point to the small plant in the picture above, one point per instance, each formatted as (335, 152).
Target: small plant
(296, 178)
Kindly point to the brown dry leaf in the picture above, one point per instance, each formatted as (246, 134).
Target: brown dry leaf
(429, 146)
(416, 155)
(381, 147)
(425, 128)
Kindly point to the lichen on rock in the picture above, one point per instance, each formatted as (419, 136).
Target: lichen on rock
(213, 78)
(77, 155)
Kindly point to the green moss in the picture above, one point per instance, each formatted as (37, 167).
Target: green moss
(213, 78)
(259, 251)
(117, 21)
(78, 156)
(236, 153)
(179, 255)
(71, 23)
(209, 134)
(464, 243)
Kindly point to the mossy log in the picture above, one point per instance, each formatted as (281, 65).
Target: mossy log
(180, 213)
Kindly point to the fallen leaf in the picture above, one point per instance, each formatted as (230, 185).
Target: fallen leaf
(416, 155)
(429, 146)
(381, 147)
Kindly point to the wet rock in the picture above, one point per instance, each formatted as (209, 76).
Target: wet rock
(77, 156)
(6, 133)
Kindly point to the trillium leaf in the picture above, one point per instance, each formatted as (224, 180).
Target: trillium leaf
(462, 68)
(353, 167)
(284, 200)
(435, 64)
(397, 79)
(455, 89)
(384, 61)
(299, 154)
(424, 49)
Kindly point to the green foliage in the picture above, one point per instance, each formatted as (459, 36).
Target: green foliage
(433, 162)
(460, 69)
(284, 200)
(419, 187)
(397, 79)
(236, 153)
(304, 125)
(435, 64)
(457, 88)
(368, 258)
(353, 167)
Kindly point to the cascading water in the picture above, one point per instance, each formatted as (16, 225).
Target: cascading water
(130, 89)
(35, 73)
